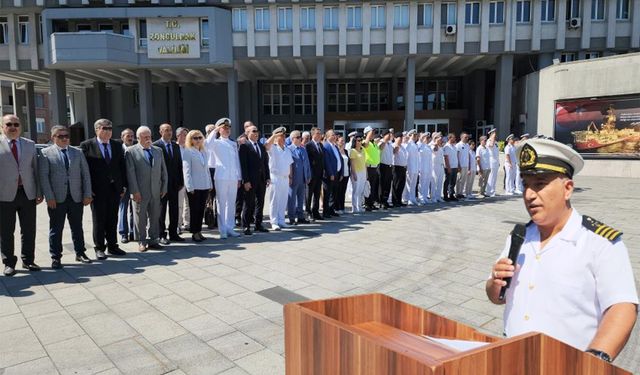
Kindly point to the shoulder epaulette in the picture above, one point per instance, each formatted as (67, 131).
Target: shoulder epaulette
(600, 229)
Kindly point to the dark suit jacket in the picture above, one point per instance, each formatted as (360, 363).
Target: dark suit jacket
(174, 165)
(330, 162)
(316, 159)
(255, 169)
(105, 178)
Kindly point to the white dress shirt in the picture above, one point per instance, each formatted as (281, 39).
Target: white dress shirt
(463, 156)
(280, 161)
(451, 153)
(485, 157)
(225, 154)
(400, 157)
(386, 154)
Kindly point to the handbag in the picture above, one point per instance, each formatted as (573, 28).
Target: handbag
(367, 189)
(210, 219)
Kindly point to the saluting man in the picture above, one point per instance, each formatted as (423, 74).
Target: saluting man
(572, 279)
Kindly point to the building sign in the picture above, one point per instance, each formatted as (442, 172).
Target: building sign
(173, 38)
(607, 126)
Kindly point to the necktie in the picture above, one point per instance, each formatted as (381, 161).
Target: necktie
(14, 151)
(66, 158)
(150, 155)
(257, 149)
(107, 157)
(169, 150)
(317, 147)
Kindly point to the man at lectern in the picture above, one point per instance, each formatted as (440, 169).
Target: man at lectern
(572, 278)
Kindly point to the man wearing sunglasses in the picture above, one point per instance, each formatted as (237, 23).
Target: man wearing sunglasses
(107, 167)
(19, 194)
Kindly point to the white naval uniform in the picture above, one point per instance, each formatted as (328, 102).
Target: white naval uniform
(564, 289)
(183, 202)
(280, 160)
(519, 186)
(510, 169)
(227, 165)
(438, 174)
(494, 165)
(413, 162)
(473, 168)
(426, 173)
(463, 161)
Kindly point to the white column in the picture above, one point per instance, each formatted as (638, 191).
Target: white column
(611, 24)
(503, 90)
(508, 24)
(388, 48)
(58, 97)
(251, 31)
(273, 31)
(410, 94)
(460, 32)
(232, 94)
(537, 25)
(18, 103)
(413, 28)
(30, 102)
(585, 37)
(484, 27)
(12, 24)
(33, 41)
(342, 30)
(295, 13)
(561, 24)
(320, 93)
(145, 97)
(319, 30)
(635, 26)
(366, 29)
(437, 32)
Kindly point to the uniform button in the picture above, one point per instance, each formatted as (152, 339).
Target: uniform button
(526, 317)
(537, 257)
(531, 286)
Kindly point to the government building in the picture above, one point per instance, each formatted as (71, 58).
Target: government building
(433, 65)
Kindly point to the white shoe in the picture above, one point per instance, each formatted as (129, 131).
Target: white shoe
(233, 233)
(508, 193)
(518, 192)
(284, 225)
(276, 227)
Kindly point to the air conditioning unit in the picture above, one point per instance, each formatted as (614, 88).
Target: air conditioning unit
(450, 30)
(481, 123)
(575, 23)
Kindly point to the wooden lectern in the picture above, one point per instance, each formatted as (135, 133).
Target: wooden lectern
(374, 334)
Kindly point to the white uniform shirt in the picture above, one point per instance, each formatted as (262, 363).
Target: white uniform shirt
(452, 153)
(280, 160)
(208, 144)
(412, 157)
(225, 154)
(563, 289)
(494, 154)
(485, 157)
(400, 157)
(438, 159)
(472, 160)
(386, 154)
(426, 158)
(511, 151)
(463, 156)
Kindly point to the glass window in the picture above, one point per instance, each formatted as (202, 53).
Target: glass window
(597, 10)
(276, 99)
(239, 19)
(573, 9)
(39, 100)
(263, 19)
(354, 17)
(622, 9)
(592, 55)
(285, 19)
(439, 94)
(374, 96)
(83, 27)
(142, 33)
(23, 29)
(304, 98)
(568, 57)
(105, 27)
(330, 18)
(472, 13)
(308, 18)
(425, 15)
(448, 14)
(342, 97)
(523, 11)
(4, 30)
(124, 29)
(401, 16)
(40, 125)
(204, 31)
(496, 12)
(378, 19)
(548, 13)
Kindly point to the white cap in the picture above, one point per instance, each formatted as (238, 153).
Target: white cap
(353, 134)
(279, 130)
(525, 135)
(491, 131)
(367, 130)
(411, 132)
(510, 137)
(547, 156)
(222, 121)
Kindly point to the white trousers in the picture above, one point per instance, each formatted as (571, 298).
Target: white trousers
(438, 177)
(510, 178)
(493, 178)
(278, 198)
(226, 191)
(519, 187)
(183, 208)
(409, 193)
(426, 185)
(468, 189)
(357, 191)
(461, 184)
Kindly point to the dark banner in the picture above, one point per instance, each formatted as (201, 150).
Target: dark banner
(607, 126)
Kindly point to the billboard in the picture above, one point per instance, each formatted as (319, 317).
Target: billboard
(171, 38)
(603, 127)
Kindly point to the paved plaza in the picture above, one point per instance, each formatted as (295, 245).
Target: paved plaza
(216, 308)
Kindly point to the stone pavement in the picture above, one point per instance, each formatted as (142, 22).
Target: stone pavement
(214, 308)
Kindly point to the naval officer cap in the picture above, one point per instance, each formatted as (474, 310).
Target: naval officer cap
(223, 121)
(491, 131)
(411, 132)
(280, 130)
(353, 134)
(510, 137)
(536, 156)
(525, 135)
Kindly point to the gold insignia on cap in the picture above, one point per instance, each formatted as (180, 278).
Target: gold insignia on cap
(528, 157)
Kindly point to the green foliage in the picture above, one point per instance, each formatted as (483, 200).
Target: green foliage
(501, 145)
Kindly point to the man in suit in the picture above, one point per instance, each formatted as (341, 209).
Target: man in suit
(316, 160)
(254, 164)
(173, 163)
(332, 174)
(108, 182)
(19, 194)
(125, 213)
(148, 180)
(66, 185)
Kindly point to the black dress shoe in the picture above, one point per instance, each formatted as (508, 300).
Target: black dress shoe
(303, 221)
(292, 222)
(262, 229)
(9, 271)
(165, 241)
(154, 246)
(124, 239)
(176, 238)
(374, 207)
(115, 251)
(31, 266)
(247, 232)
(196, 238)
(100, 255)
(82, 258)
(56, 264)
(318, 217)
(132, 237)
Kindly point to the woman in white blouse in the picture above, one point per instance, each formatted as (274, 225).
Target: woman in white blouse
(197, 181)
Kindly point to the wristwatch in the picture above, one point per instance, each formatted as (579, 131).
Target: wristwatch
(600, 354)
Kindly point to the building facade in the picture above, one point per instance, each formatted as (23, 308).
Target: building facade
(431, 65)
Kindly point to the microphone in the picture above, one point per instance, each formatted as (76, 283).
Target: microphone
(517, 239)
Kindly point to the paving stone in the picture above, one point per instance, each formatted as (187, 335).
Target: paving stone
(190, 291)
(136, 356)
(55, 327)
(132, 308)
(264, 362)
(207, 327)
(20, 346)
(150, 291)
(9, 323)
(112, 293)
(235, 345)
(85, 309)
(225, 310)
(106, 328)
(176, 308)
(72, 294)
(8, 306)
(155, 327)
(40, 366)
(193, 356)
(65, 356)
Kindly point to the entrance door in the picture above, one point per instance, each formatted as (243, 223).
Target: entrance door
(432, 126)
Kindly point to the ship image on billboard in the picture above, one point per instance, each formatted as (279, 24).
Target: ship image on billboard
(606, 127)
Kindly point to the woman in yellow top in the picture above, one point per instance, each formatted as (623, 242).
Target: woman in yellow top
(358, 174)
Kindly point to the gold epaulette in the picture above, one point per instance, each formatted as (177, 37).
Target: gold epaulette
(600, 229)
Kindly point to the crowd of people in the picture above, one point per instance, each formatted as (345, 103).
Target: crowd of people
(133, 182)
